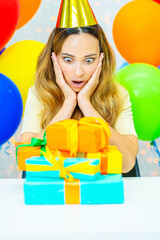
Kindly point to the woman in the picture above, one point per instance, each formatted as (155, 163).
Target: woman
(74, 79)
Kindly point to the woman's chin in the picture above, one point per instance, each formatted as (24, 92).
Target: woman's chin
(76, 90)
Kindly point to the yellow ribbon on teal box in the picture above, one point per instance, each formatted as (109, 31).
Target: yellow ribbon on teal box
(58, 166)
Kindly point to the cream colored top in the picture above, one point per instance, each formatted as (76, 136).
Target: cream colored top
(33, 110)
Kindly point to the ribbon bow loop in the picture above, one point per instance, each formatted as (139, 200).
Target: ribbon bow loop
(57, 161)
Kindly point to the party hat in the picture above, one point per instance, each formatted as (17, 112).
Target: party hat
(75, 13)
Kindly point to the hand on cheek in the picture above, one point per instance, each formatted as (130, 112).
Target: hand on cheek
(65, 88)
(87, 91)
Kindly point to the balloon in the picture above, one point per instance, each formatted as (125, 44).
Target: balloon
(158, 1)
(124, 65)
(2, 50)
(28, 9)
(9, 16)
(18, 62)
(143, 84)
(10, 108)
(136, 32)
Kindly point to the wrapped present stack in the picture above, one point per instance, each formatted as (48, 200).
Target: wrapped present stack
(73, 164)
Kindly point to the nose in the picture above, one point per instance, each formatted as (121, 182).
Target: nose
(79, 70)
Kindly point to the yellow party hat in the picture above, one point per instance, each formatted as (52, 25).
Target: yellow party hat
(75, 13)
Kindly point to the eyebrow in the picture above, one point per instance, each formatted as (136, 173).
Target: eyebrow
(69, 55)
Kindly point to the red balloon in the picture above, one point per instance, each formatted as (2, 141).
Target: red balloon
(158, 1)
(9, 16)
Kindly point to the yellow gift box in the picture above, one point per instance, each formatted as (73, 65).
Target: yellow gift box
(87, 135)
(110, 160)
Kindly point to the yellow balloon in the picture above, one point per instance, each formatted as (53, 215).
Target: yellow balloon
(18, 62)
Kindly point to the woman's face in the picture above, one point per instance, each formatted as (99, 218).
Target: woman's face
(78, 59)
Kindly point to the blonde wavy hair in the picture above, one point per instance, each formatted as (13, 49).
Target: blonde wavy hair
(105, 98)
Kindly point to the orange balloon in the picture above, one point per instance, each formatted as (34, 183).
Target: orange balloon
(28, 9)
(136, 32)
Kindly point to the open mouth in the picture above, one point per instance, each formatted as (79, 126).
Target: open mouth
(78, 84)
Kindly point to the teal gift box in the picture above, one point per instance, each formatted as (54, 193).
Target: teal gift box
(107, 189)
(79, 168)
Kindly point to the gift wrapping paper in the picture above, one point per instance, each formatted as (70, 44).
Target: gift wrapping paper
(79, 168)
(87, 135)
(25, 152)
(107, 189)
(110, 160)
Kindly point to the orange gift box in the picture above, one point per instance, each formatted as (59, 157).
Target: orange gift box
(87, 135)
(25, 152)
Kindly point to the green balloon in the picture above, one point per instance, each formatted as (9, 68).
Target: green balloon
(142, 81)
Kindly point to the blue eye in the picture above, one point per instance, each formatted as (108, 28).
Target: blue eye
(89, 60)
(67, 59)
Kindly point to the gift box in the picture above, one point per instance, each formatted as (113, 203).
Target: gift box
(110, 160)
(107, 189)
(25, 151)
(87, 135)
(79, 168)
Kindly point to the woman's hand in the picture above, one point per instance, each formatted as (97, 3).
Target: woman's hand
(88, 89)
(69, 94)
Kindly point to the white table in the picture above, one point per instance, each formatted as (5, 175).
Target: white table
(138, 218)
